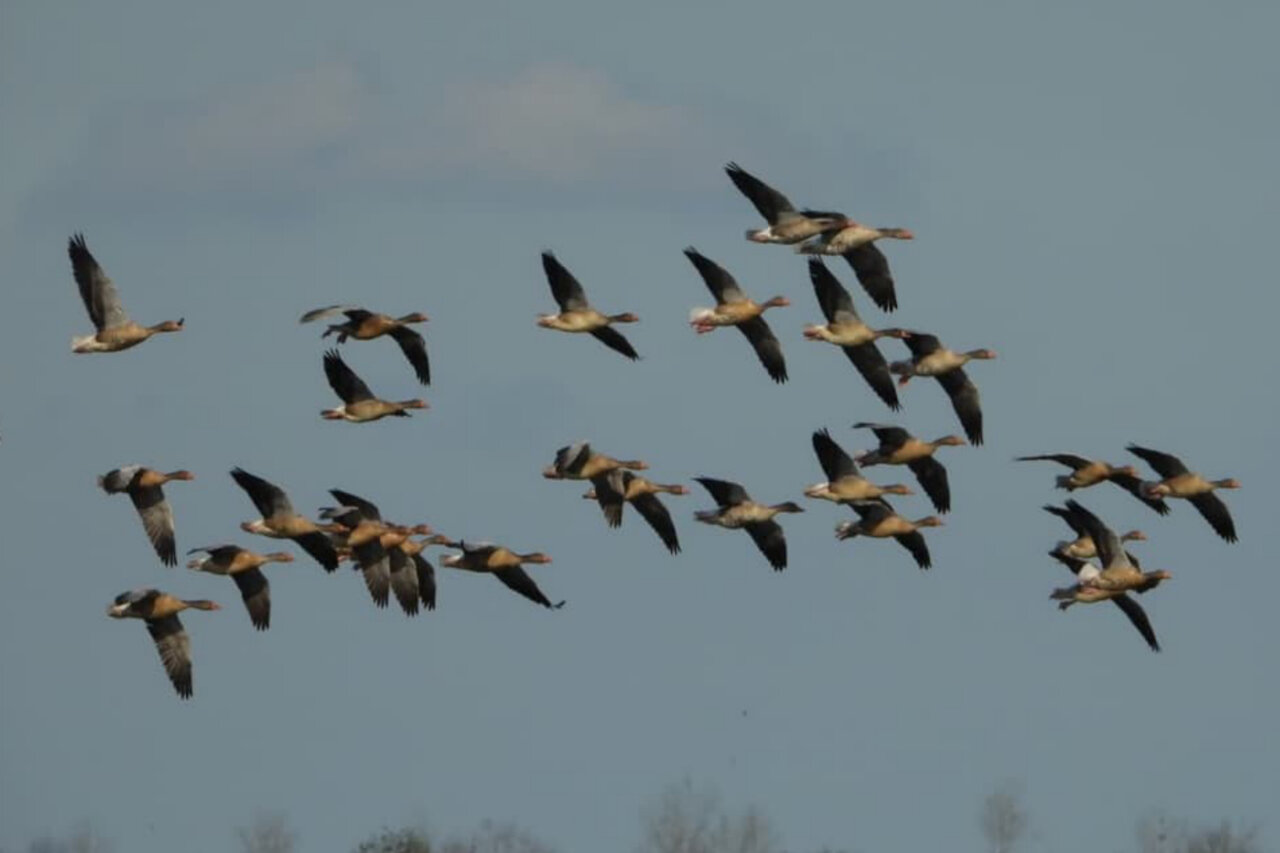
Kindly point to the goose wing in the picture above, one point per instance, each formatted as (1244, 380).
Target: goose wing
(616, 341)
(835, 462)
(343, 380)
(654, 512)
(872, 270)
(932, 476)
(724, 492)
(98, 292)
(722, 285)
(517, 579)
(269, 498)
(767, 348)
(965, 401)
(771, 541)
(414, 347)
(1165, 464)
(870, 362)
(157, 521)
(566, 289)
(835, 301)
(772, 205)
(175, 651)
(256, 593)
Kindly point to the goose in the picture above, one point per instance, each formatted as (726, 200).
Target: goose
(144, 488)
(1083, 547)
(279, 521)
(845, 482)
(737, 511)
(931, 358)
(1082, 594)
(502, 563)
(1119, 573)
(786, 224)
(578, 461)
(1179, 482)
(160, 611)
(577, 315)
(369, 538)
(899, 447)
(413, 578)
(1090, 472)
(733, 308)
(856, 243)
(366, 325)
(641, 493)
(245, 568)
(845, 329)
(878, 520)
(116, 331)
(358, 403)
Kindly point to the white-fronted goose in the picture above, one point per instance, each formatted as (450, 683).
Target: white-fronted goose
(1083, 594)
(845, 482)
(899, 447)
(1179, 482)
(845, 329)
(786, 224)
(279, 521)
(358, 403)
(1083, 546)
(737, 511)
(576, 313)
(116, 331)
(856, 243)
(1119, 573)
(931, 358)
(733, 308)
(160, 611)
(366, 325)
(878, 520)
(1090, 472)
(144, 488)
(502, 563)
(245, 568)
(642, 493)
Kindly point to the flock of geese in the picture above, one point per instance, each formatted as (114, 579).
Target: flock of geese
(390, 555)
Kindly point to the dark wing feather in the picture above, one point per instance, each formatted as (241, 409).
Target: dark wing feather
(414, 348)
(832, 457)
(769, 202)
(614, 340)
(319, 547)
(256, 593)
(965, 401)
(568, 293)
(914, 542)
(367, 508)
(96, 290)
(343, 380)
(722, 285)
(267, 497)
(872, 512)
(922, 344)
(932, 476)
(724, 492)
(1072, 461)
(1133, 486)
(157, 521)
(1072, 563)
(1215, 512)
(404, 580)
(517, 579)
(870, 362)
(1070, 517)
(609, 488)
(1110, 549)
(659, 519)
(891, 437)
(835, 301)
(426, 581)
(770, 540)
(872, 269)
(175, 651)
(767, 348)
(376, 568)
(1164, 464)
(1138, 617)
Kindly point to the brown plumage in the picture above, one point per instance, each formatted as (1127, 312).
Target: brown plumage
(144, 488)
(160, 611)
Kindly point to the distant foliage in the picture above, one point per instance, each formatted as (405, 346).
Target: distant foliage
(687, 820)
(497, 838)
(1161, 834)
(1003, 820)
(269, 833)
(82, 840)
(397, 841)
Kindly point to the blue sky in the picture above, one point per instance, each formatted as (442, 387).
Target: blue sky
(1092, 188)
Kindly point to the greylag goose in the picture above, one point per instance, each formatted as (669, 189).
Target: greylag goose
(1090, 472)
(899, 447)
(358, 403)
(733, 308)
(878, 520)
(279, 521)
(1119, 573)
(786, 224)
(160, 611)
(931, 358)
(115, 331)
(144, 486)
(845, 329)
(366, 325)
(1081, 594)
(1083, 546)
(245, 568)
(576, 313)
(641, 493)
(1179, 482)
(737, 511)
(502, 563)
(856, 243)
(845, 482)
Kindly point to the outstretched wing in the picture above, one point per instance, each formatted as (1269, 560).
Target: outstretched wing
(343, 380)
(724, 492)
(771, 541)
(965, 401)
(566, 289)
(1164, 464)
(872, 269)
(659, 519)
(175, 651)
(414, 348)
(269, 498)
(614, 340)
(518, 579)
(869, 361)
(157, 521)
(766, 346)
(771, 204)
(96, 290)
(722, 285)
